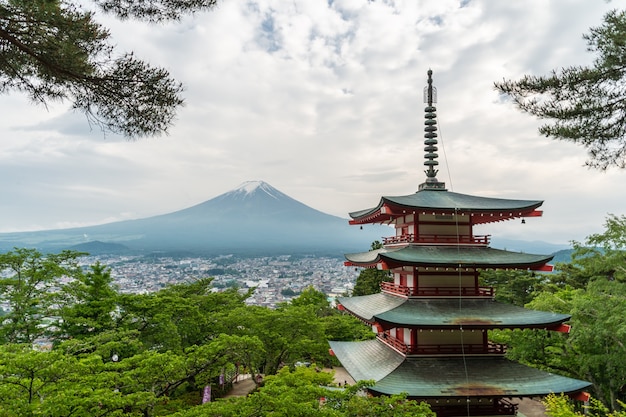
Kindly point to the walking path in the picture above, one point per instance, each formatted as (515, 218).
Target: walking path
(243, 386)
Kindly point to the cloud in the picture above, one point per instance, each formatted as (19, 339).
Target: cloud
(70, 123)
(323, 100)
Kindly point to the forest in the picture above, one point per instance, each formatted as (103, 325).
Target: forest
(71, 344)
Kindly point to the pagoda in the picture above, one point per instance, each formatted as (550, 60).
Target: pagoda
(432, 321)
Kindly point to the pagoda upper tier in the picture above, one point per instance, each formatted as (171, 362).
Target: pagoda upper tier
(440, 202)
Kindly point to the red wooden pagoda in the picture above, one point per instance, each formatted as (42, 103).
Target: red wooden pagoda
(432, 321)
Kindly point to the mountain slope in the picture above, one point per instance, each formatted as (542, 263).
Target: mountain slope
(253, 218)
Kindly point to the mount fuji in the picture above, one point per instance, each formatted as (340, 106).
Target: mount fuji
(253, 219)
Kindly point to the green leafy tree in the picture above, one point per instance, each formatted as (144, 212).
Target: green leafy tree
(108, 345)
(369, 280)
(336, 325)
(592, 289)
(376, 245)
(136, 355)
(307, 392)
(74, 381)
(317, 300)
(612, 256)
(296, 393)
(180, 315)
(345, 327)
(599, 339)
(29, 291)
(543, 349)
(291, 393)
(512, 286)
(585, 105)
(288, 334)
(34, 383)
(601, 256)
(593, 351)
(88, 304)
(53, 50)
(26, 376)
(385, 406)
(561, 406)
(614, 236)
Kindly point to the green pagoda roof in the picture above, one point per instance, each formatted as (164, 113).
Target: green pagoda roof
(429, 200)
(448, 256)
(446, 312)
(446, 377)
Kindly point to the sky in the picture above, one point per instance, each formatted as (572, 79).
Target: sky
(323, 100)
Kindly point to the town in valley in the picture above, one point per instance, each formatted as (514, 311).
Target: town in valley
(276, 278)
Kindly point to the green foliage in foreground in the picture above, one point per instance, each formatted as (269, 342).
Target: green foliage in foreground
(592, 289)
(142, 355)
(29, 291)
(369, 280)
(307, 392)
(561, 406)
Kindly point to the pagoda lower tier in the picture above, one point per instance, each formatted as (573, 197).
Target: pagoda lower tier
(390, 311)
(443, 380)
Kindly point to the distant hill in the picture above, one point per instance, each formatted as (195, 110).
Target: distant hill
(562, 256)
(97, 248)
(253, 219)
(527, 246)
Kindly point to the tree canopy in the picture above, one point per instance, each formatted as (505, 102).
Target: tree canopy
(27, 290)
(54, 50)
(561, 406)
(584, 104)
(307, 392)
(72, 344)
(369, 280)
(592, 289)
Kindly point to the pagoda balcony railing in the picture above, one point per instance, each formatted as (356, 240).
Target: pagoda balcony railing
(437, 239)
(393, 342)
(500, 407)
(392, 288)
(468, 349)
(439, 349)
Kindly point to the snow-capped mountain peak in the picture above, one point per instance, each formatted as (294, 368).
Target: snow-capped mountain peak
(253, 218)
(252, 187)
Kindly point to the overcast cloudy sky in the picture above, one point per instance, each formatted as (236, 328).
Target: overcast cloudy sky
(324, 101)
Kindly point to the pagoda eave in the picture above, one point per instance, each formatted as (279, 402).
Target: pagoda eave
(386, 264)
(482, 217)
(493, 217)
(446, 377)
(441, 202)
(390, 311)
(469, 326)
(383, 265)
(375, 218)
(437, 257)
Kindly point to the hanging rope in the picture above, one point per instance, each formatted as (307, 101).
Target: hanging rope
(460, 275)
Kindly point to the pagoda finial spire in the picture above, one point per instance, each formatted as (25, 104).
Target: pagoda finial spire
(430, 141)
